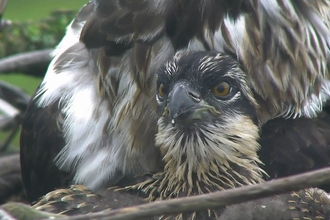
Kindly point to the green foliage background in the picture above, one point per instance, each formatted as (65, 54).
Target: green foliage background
(22, 10)
(31, 12)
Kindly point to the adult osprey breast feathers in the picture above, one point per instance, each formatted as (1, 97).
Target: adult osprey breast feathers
(93, 119)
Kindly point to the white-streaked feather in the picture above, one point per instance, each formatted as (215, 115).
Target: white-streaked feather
(214, 153)
(95, 156)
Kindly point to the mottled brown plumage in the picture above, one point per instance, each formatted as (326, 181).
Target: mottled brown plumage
(209, 149)
(103, 76)
(209, 139)
(208, 136)
(282, 45)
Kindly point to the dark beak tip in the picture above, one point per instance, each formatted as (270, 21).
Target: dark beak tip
(181, 102)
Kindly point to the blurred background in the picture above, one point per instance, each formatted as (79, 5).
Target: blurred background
(35, 25)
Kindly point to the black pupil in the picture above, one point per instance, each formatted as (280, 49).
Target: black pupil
(221, 88)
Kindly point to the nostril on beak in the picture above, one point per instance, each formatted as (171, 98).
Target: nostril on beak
(195, 97)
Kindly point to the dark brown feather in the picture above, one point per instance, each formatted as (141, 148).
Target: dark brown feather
(41, 141)
(91, 35)
(295, 145)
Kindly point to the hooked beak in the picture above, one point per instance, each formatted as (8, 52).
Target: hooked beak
(185, 104)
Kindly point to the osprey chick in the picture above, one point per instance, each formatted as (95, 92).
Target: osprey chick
(208, 129)
(208, 136)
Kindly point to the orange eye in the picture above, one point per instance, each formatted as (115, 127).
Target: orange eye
(221, 89)
(161, 90)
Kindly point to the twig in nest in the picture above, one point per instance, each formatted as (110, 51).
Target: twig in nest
(10, 176)
(213, 200)
(13, 104)
(31, 63)
(14, 96)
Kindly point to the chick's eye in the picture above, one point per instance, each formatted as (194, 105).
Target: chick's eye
(162, 91)
(221, 89)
